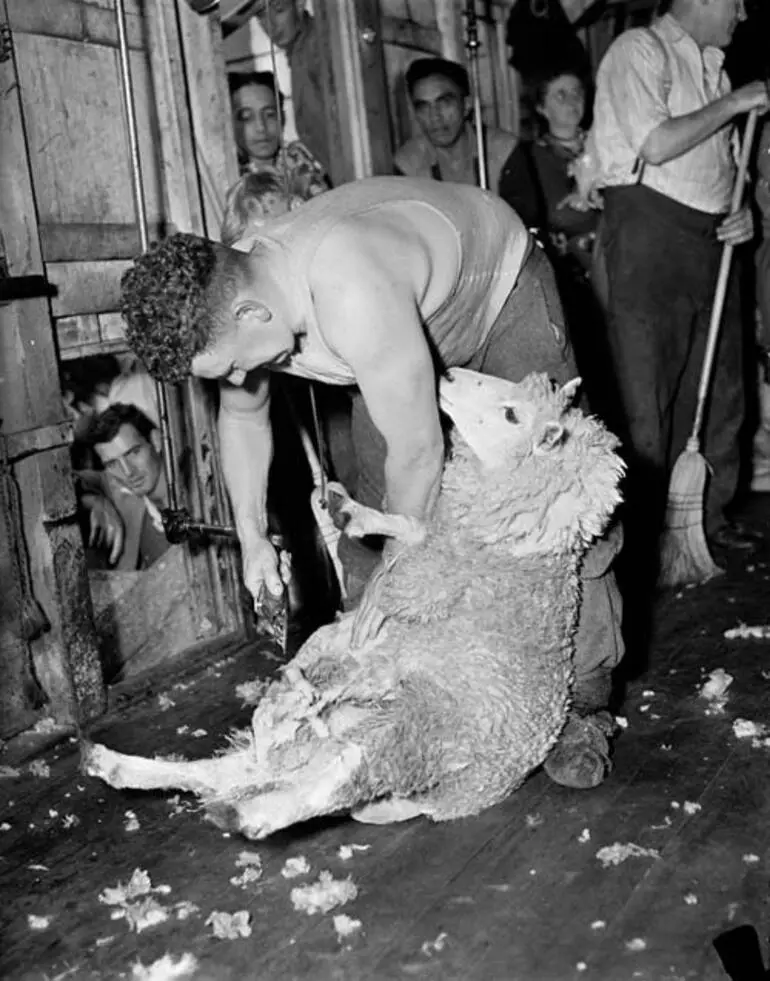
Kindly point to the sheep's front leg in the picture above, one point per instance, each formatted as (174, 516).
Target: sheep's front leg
(217, 776)
(357, 520)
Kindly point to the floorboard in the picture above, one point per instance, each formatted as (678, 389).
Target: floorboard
(514, 894)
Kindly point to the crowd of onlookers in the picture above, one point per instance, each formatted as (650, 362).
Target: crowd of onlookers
(634, 252)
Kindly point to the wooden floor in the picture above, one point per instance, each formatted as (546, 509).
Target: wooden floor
(516, 894)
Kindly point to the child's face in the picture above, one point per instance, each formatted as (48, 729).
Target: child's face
(255, 118)
(270, 205)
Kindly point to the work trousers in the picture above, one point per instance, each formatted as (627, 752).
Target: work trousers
(661, 261)
(528, 335)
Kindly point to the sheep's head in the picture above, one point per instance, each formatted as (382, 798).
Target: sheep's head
(548, 475)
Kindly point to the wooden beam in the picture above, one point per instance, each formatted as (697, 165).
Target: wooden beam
(19, 445)
(75, 21)
(407, 34)
(85, 287)
(92, 241)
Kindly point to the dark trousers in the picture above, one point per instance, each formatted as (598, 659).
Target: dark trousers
(528, 335)
(661, 261)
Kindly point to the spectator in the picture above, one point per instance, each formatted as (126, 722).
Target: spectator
(124, 499)
(253, 200)
(291, 28)
(257, 125)
(663, 129)
(537, 182)
(446, 149)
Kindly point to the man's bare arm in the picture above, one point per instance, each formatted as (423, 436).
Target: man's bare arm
(246, 444)
(677, 135)
(369, 313)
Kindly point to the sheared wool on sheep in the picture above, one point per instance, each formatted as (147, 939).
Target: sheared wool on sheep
(466, 687)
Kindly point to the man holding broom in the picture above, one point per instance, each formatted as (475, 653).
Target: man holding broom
(664, 141)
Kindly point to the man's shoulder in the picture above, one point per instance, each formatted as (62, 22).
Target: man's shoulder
(635, 44)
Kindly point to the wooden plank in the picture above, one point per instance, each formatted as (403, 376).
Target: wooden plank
(211, 118)
(354, 89)
(92, 241)
(74, 332)
(29, 393)
(31, 441)
(176, 144)
(85, 287)
(705, 884)
(369, 34)
(151, 621)
(202, 136)
(210, 125)
(88, 350)
(415, 37)
(78, 147)
(75, 21)
(112, 327)
(66, 657)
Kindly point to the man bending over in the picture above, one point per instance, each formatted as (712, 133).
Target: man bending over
(374, 285)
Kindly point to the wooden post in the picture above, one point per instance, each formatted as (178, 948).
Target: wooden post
(188, 70)
(66, 658)
(355, 90)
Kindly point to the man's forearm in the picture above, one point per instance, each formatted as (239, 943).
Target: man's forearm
(677, 135)
(413, 483)
(246, 446)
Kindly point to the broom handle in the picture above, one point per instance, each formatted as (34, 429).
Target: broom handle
(721, 288)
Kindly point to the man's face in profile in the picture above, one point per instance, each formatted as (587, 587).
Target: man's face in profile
(281, 20)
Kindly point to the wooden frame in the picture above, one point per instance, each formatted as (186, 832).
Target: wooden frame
(180, 88)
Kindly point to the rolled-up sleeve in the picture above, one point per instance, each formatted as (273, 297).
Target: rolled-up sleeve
(633, 79)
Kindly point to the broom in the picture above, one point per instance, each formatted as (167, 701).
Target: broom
(684, 554)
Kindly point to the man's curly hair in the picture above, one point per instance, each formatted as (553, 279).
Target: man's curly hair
(166, 303)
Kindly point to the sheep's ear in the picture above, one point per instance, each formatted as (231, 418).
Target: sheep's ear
(569, 390)
(551, 436)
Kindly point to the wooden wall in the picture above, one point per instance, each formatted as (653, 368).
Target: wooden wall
(67, 212)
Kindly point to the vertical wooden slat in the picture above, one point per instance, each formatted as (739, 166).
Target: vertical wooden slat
(191, 100)
(355, 89)
(67, 657)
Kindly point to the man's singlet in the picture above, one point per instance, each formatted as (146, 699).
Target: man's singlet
(491, 243)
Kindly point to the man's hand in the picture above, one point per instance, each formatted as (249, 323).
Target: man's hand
(738, 228)
(755, 95)
(260, 566)
(106, 526)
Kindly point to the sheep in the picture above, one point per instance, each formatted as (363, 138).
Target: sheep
(465, 688)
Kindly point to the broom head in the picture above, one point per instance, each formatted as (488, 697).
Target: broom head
(684, 554)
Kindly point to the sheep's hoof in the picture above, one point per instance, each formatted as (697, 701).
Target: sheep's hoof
(581, 757)
(388, 811)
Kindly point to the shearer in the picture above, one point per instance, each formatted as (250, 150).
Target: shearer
(378, 285)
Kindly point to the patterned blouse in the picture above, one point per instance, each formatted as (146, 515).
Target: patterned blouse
(306, 176)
